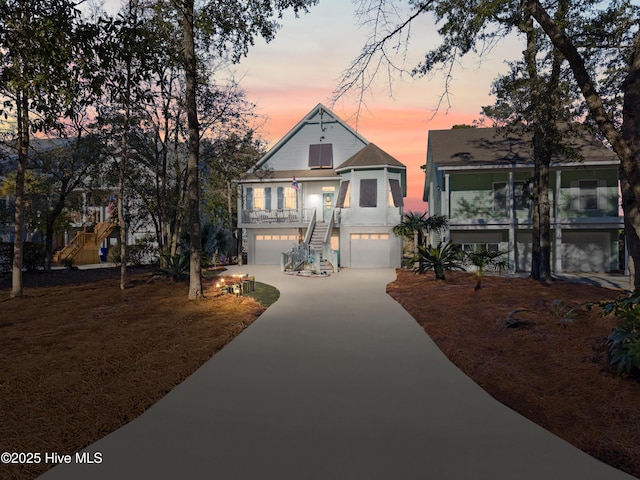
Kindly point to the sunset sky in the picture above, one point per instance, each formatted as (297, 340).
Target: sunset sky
(302, 67)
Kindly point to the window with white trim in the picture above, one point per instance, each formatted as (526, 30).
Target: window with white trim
(287, 198)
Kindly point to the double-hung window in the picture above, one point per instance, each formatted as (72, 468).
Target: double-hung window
(287, 198)
(258, 198)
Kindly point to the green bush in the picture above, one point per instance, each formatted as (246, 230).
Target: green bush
(175, 266)
(143, 251)
(440, 258)
(32, 256)
(624, 341)
(113, 254)
(6, 256)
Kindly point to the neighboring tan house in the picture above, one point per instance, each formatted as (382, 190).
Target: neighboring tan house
(323, 185)
(478, 179)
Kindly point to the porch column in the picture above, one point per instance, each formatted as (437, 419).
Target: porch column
(385, 189)
(446, 200)
(557, 250)
(512, 226)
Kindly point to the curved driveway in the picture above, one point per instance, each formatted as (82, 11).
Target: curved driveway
(334, 381)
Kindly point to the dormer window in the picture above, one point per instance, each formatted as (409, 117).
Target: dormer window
(321, 155)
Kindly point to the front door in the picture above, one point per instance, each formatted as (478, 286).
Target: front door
(327, 206)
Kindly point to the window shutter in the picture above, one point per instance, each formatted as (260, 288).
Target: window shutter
(267, 198)
(396, 192)
(326, 156)
(249, 198)
(321, 155)
(314, 156)
(369, 192)
(342, 194)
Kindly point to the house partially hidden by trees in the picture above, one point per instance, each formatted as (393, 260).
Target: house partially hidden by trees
(479, 178)
(323, 187)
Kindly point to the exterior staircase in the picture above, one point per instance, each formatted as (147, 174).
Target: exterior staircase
(317, 242)
(84, 248)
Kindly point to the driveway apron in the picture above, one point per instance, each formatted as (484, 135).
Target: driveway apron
(334, 381)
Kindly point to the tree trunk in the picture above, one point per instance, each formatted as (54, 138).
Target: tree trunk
(121, 218)
(22, 104)
(626, 144)
(545, 220)
(631, 136)
(193, 182)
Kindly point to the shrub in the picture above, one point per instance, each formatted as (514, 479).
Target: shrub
(482, 259)
(624, 341)
(32, 256)
(113, 254)
(175, 266)
(143, 251)
(440, 258)
(6, 256)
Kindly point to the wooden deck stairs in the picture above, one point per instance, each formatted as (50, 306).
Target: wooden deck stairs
(84, 248)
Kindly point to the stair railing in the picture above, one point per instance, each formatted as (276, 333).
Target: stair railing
(312, 225)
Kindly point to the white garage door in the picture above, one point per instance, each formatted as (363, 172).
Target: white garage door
(585, 252)
(268, 247)
(370, 250)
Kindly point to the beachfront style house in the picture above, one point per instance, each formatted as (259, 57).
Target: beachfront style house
(323, 188)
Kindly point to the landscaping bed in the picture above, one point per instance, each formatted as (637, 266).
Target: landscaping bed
(79, 357)
(555, 372)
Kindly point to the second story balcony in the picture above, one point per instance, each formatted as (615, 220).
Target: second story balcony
(285, 216)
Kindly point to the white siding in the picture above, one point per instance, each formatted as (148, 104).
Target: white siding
(294, 154)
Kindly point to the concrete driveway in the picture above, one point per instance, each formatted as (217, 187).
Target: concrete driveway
(334, 381)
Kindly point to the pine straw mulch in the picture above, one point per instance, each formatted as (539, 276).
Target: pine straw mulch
(557, 376)
(78, 361)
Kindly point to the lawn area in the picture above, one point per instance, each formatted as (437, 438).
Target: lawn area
(78, 360)
(558, 375)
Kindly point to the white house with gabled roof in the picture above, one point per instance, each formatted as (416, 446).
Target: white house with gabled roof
(325, 187)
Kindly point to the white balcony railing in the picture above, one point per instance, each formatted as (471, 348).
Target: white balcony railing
(276, 216)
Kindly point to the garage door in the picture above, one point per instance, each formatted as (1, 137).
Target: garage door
(585, 252)
(370, 250)
(269, 247)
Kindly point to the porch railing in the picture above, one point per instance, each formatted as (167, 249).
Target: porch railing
(295, 258)
(277, 216)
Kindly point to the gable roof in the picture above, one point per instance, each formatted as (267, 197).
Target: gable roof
(496, 147)
(370, 156)
(320, 110)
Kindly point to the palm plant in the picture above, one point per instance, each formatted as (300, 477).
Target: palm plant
(440, 258)
(482, 258)
(417, 226)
